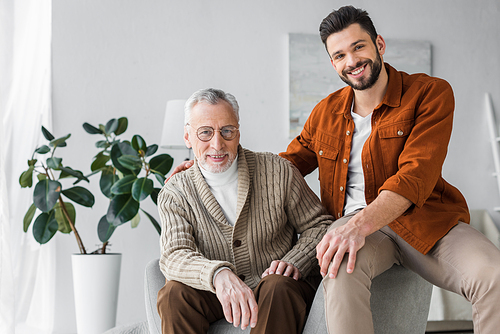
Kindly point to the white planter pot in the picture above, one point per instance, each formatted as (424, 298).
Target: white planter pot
(96, 278)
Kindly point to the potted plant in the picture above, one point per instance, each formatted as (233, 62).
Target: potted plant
(127, 170)
(120, 165)
(60, 215)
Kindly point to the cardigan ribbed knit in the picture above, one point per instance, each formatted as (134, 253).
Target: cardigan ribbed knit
(274, 205)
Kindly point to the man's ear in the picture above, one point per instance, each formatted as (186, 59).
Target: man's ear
(186, 138)
(380, 44)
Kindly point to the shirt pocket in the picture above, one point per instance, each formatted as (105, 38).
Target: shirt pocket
(393, 138)
(327, 159)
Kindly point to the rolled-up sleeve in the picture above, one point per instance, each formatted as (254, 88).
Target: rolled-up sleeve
(420, 162)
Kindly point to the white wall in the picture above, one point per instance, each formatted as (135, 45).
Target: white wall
(128, 57)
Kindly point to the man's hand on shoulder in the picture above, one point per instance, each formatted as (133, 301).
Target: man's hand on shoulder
(237, 299)
(283, 268)
(185, 165)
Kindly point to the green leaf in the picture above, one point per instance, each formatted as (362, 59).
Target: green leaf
(68, 172)
(118, 150)
(45, 226)
(94, 172)
(138, 143)
(28, 217)
(142, 188)
(62, 221)
(41, 177)
(135, 221)
(108, 178)
(102, 144)
(154, 195)
(122, 209)
(46, 194)
(42, 149)
(130, 162)
(91, 129)
(26, 178)
(80, 195)
(105, 229)
(123, 185)
(32, 162)
(47, 134)
(122, 125)
(153, 221)
(151, 150)
(160, 178)
(54, 163)
(60, 142)
(161, 163)
(100, 161)
(111, 126)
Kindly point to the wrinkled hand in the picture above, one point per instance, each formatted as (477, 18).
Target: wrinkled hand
(237, 299)
(282, 268)
(335, 244)
(182, 167)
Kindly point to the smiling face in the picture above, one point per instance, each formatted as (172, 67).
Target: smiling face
(217, 154)
(355, 57)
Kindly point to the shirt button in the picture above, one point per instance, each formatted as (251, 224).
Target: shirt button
(400, 133)
(242, 277)
(348, 132)
(237, 243)
(345, 161)
(341, 188)
(320, 152)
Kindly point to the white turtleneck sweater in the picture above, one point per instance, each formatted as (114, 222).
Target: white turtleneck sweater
(224, 187)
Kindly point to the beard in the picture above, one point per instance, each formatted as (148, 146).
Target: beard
(376, 67)
(217, 167)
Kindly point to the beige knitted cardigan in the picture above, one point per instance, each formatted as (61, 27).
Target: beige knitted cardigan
(274, 205)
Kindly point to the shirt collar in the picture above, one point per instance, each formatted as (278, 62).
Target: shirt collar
(394, 91)
(219, 179)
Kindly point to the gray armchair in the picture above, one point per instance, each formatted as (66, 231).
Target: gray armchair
(400, 304)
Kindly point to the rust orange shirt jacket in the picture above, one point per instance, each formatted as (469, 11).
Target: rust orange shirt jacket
(404, 153)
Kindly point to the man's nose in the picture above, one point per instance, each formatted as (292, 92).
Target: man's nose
(217, 142)
(351, 60)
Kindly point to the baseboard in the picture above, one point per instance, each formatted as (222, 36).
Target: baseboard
(462, 326)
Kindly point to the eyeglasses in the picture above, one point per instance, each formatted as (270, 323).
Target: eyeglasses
(205, 133)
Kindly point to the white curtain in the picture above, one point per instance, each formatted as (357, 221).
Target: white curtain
(27, 270)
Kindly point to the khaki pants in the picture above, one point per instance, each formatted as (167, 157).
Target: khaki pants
(464, 261)
(283, 306)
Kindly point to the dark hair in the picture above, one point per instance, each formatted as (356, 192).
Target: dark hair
(343, 17)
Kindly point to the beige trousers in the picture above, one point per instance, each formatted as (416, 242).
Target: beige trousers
(464, 261)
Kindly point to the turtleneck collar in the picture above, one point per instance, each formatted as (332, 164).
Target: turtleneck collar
(220, 179)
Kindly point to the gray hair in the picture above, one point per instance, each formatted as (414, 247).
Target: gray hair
(211, 96)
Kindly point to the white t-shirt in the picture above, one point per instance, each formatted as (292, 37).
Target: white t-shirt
(355, 192)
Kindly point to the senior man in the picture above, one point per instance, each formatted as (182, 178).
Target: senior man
(229, 243)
